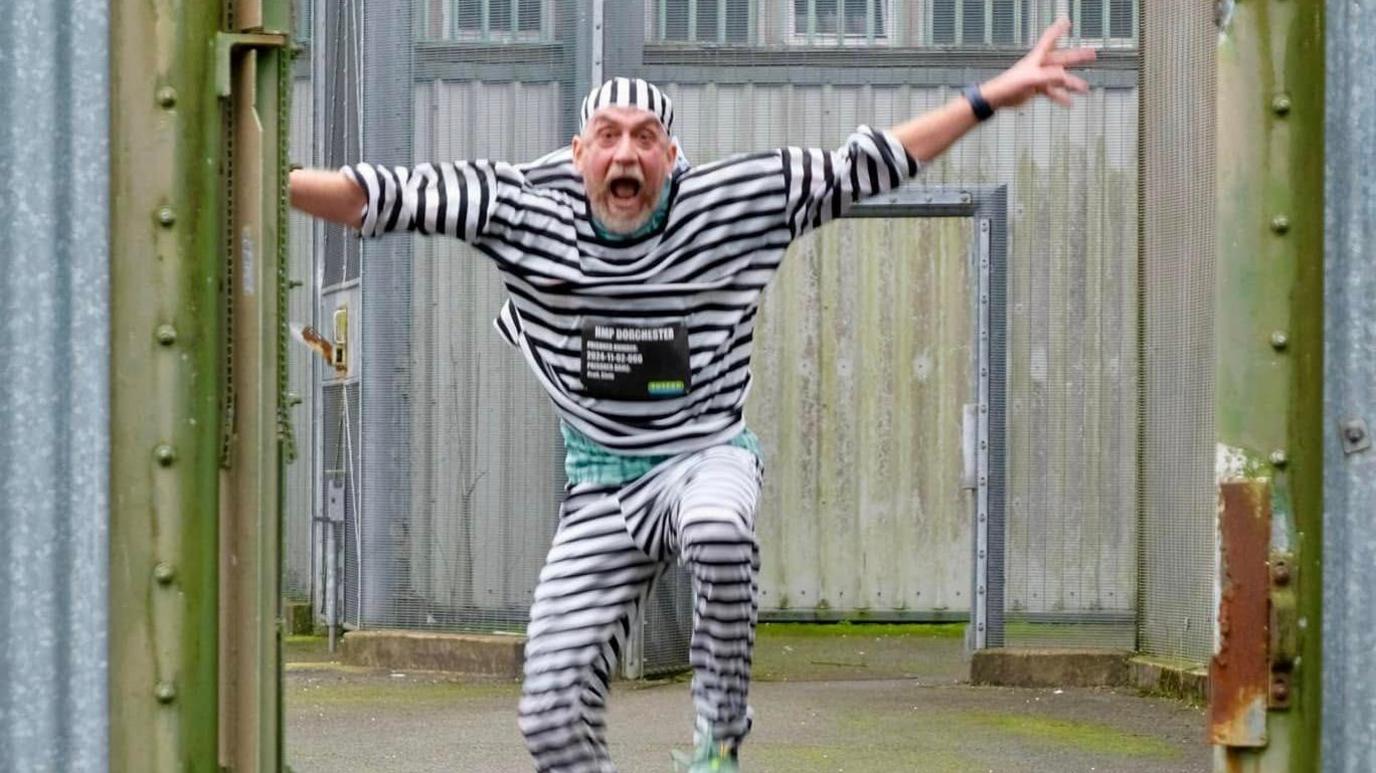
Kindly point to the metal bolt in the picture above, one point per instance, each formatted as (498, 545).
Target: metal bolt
(1280, 573)
(1354, 433)
(1279, 340)
(164, 573)
(165, 455)
(165, 692)
(1278, 458)
(1281, 104)
(167, 97)
(1280, 224)
(166, 216)
(167, 335)
(1280, 691)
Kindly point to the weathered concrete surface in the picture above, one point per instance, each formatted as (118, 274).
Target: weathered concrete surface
(1050, 668)
(1169, 679)
(474, 654)
(862, 700)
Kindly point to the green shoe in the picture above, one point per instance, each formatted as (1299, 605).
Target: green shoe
(709, 758)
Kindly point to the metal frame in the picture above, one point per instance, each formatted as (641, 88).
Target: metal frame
(987, 207)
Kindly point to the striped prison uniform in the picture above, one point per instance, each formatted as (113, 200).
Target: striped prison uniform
(703, 268)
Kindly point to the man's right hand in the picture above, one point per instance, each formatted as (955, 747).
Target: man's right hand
(332, 196)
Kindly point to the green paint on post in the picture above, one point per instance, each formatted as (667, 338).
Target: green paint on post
(1270, 281)
(164, 392)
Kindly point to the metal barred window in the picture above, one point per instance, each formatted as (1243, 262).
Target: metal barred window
(981, 22)
(1017, 23)
(838, 22)
(703, 21)
(496, 21)
(1105, 23)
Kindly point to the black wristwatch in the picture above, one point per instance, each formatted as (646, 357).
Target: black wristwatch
(983, 110)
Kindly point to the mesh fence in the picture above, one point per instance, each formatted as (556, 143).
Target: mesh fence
(459, 464)
(1178, 563)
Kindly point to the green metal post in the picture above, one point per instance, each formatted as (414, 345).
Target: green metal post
(1269, 304)
(196, 363)
(166, 343)
(254, 95)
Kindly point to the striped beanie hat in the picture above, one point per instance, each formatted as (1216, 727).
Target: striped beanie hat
(629, 92)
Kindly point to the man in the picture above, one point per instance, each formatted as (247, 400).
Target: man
(634, 281)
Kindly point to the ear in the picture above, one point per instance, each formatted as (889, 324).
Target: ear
(579, 148)
(673, 152)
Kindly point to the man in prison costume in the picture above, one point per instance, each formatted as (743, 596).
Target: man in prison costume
(634, 283)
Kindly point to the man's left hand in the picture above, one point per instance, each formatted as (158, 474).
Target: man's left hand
(1042, 71)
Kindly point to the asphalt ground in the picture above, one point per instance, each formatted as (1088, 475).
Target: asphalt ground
(826, 698)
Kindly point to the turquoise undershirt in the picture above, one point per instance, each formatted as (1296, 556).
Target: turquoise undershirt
(587, 462)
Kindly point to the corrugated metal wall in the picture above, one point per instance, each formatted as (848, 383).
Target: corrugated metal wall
(299, 483)
(1072, 178)
(863, 364)
(1349, 543)
(486, 462)
(54, 385)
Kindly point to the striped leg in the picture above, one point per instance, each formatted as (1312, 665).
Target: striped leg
(592, 583)
(714, 527)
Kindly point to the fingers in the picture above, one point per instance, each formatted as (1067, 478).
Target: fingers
(1071, 57)
(1053, 34)
(1059, 95)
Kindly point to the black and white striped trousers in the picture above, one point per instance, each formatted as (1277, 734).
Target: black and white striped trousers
(611, 544)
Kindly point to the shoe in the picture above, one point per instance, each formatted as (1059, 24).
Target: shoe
(709, 758)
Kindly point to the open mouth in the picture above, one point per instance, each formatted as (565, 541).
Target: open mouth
(625, 189)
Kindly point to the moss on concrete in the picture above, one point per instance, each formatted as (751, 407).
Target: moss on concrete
(1083, 736)
(340, 689)
(848, 628)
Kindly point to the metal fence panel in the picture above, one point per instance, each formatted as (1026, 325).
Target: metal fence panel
(1178, 555)
(54, 385)
(298, 507)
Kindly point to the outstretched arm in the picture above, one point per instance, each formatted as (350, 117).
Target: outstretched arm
(332, 196)
(1042, 71)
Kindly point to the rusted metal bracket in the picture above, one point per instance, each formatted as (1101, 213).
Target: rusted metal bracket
(1258, 620)
(1240, 674)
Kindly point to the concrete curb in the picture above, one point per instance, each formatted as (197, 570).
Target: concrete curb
(1183, 681)
(475, 654)
(1050, 668)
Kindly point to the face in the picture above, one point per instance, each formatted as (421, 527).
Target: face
(625, 156)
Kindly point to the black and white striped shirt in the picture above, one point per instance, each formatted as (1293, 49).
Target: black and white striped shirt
(726, 231)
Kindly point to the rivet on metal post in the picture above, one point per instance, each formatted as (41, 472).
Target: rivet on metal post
(167, 335)
(1280, 573)
(1278, 458)
(164, 573)
(167, 97)
(1281, 104)
(165, 692)
(165, 455)
(1280, 224)
(1355, 436)
(1279, 340)
(1280, 690)
(166, 216)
